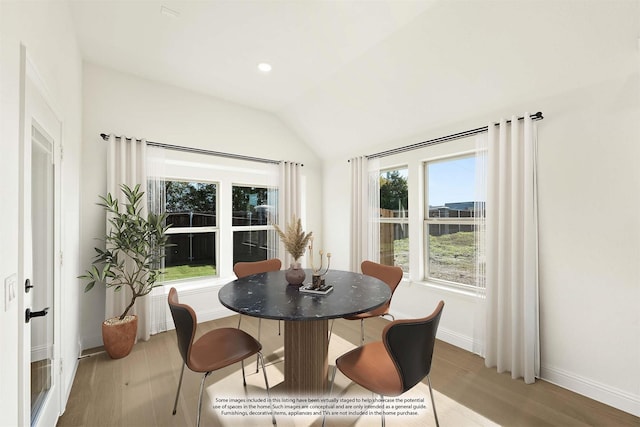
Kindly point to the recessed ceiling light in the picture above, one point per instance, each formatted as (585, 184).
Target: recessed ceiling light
(264, 67)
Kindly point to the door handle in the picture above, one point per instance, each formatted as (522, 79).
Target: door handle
(28, 314)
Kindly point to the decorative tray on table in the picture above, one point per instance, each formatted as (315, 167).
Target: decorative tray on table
(322, 290)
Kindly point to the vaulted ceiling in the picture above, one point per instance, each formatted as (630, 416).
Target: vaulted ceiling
(352, 74)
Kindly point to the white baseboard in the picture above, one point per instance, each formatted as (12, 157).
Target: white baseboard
(603, 393)
(215, 314)
(191, 296)
(608, 395)
(92, 341)
(205, 316)
(66, 392)
(611, 396)
(39, 352)
(451, 337)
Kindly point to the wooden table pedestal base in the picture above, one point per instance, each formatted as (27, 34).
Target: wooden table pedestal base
(306, 346)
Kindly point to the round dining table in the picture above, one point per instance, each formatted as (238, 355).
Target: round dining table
(305, 316)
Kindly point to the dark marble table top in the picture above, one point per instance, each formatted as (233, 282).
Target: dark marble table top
(268, 295)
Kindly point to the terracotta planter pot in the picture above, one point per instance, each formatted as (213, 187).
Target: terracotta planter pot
(119, 337)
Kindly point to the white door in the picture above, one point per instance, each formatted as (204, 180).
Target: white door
(39, 228)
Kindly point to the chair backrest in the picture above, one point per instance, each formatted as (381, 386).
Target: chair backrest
(410, 344)
(185, 322)
(391, 275)
(244, 269)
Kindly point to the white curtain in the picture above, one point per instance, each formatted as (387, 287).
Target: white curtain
(126, 164)
(373, 213)
(480, 225)
(156, 198)
(512, 332)
(365, 212)
(290, 201)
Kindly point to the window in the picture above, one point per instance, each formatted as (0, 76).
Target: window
(451, 234)
(192, 212)
(253, 213)
(220, 211)
(394, 218)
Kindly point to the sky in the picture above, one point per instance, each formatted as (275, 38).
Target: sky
(451, 180)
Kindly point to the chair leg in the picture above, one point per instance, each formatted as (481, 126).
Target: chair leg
(244, 380)
(239, 321)
(382, 408)
(266, 383)
(362, 332)
(333, 378)
(175, 405)
(390, 315)
(200, 398)
(433, 403)
(259, 328)
(279, 322)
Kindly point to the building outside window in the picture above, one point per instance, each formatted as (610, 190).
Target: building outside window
(394, 218)
(451, 235)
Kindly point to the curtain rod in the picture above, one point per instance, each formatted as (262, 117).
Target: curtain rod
(200, 151)
(535, 117)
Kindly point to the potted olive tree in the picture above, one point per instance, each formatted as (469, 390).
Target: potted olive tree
(133, 250)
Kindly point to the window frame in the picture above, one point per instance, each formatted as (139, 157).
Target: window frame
(225, 172)
(266, 227)
(415, 160)
(396, 220)
(428, 220)
(215, 229)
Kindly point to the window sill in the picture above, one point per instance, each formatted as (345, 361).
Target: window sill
(187, 285)
(440, 287)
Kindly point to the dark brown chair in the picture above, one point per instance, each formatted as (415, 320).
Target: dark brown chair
(392, 276)
(214, 350)
(397, 363)
(244, 269)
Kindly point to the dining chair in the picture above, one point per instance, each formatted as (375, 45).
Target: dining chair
(391, 275)
(396, 364)
(244, 269)
(214, 350)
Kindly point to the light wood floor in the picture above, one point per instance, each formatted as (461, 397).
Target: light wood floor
(139, 390)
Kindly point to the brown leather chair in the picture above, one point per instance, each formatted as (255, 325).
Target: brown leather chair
(244, 269)
(392, 276)
(397, 363)
(214, 350)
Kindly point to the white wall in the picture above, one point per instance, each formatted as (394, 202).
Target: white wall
(589, 196)
(126, 105)
(45, 28)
